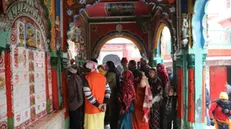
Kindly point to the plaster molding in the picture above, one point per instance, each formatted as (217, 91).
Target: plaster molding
(4, 22)
(110, 19)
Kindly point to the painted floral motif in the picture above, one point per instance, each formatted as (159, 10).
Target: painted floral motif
(172, 9)
(119, 27)
(3, 125)
(13, 38)
(82, 1)
(69, 12)
(70, 2)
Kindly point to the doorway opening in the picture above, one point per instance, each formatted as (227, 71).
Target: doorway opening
(163, 46)
(217, 33)
(117, 48)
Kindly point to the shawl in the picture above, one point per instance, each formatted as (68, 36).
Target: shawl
(147, 102)
(75, 91)
(127, 91)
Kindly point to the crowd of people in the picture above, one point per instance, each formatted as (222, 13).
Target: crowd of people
(134, 96)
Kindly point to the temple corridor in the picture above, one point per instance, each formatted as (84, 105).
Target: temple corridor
(43, 43)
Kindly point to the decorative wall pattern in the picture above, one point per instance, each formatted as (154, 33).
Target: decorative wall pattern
(75, 34)
(28, 72)
(51, 11)
(49, 81)
(3, 104)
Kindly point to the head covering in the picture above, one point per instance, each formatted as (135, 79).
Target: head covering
(162, 73)
(124, 60)
(127, 92)
(223, 95)
(91, 65)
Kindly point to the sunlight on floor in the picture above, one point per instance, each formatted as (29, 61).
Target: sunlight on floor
(210, 127)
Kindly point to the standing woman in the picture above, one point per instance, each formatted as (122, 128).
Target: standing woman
(142, 104)
(126, 98)
(112, 113)
(163, 75)
(156, 87)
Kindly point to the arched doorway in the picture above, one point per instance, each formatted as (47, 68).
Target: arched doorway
(117, 48)
(120, 37)
(163, 46)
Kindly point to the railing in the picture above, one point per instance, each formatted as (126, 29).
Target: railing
(219, 38)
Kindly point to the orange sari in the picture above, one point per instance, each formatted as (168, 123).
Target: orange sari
(138, 121)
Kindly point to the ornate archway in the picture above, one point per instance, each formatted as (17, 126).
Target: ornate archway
(197, 23)
(115, 34)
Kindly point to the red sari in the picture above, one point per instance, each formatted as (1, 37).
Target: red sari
(138, 121)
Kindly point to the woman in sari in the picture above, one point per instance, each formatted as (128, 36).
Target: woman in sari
(156, 87)
(142, 104)
(126, 98)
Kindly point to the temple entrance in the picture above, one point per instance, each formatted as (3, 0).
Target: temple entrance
(117, 48)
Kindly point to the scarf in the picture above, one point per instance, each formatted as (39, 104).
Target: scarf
(127, 92)
(72, 70)
(147, 102)
(162, 74)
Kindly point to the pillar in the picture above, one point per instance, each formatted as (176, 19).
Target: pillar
(55, 93)
(47, 84)
(180, 72)
(9, 88)
(196, 88)
(157, 59)
(64, 62)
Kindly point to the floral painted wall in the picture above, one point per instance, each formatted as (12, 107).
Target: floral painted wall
(25, 92)
(50, 4)
(3, 104)
(28, 72)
